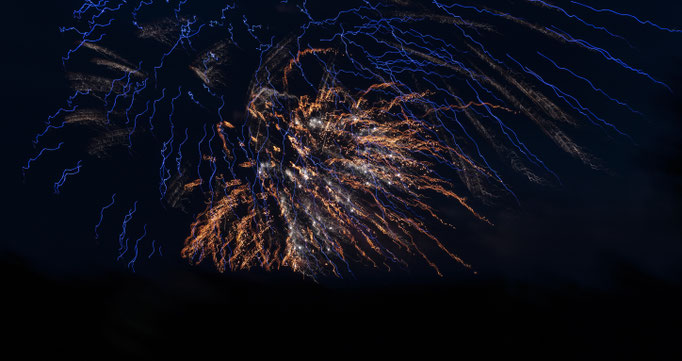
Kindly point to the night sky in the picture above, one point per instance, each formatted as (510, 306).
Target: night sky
(586, 269)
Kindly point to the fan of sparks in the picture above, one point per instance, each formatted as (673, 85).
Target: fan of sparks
(355, 126)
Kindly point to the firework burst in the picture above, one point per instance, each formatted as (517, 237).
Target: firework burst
(351, 125)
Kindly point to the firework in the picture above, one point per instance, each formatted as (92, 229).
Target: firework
(351, 126)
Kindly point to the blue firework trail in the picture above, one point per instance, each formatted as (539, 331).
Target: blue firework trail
(351, 121)
(101, 214)
(67, 172)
